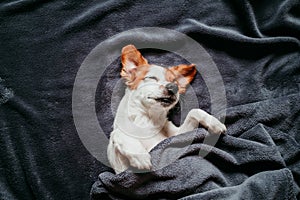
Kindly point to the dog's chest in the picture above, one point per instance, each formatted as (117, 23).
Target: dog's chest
(151, 142)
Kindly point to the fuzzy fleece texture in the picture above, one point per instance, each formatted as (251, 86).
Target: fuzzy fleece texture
(254, 44)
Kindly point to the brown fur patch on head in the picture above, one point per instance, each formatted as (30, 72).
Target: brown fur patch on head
(170, 76)
(182, 75)
(139, 75)
(134, 66)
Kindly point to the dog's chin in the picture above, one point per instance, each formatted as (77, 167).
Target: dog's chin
(165, 101)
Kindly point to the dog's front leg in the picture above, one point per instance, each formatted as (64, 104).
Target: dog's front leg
(192, 120)
(131, 149)
(196, 116)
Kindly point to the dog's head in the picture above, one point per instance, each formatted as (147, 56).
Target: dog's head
(154, 85)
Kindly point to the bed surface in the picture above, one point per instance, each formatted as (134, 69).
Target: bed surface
(255, 46)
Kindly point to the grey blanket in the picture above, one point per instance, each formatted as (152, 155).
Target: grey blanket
(255, 46)
(247, 166)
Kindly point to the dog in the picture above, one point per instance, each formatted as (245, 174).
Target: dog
(141, 119)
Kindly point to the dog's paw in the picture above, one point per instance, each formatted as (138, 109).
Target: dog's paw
(140, 161)
(215, 126)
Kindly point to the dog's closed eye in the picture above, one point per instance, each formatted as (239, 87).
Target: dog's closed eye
(151, 77)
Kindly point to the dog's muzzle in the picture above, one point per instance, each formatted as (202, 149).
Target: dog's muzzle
(172, 88)
(170, 95)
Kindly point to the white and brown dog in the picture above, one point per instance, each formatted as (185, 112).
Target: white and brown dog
(141, 119)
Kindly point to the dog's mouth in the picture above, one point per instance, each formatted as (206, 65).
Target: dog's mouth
(165, 101)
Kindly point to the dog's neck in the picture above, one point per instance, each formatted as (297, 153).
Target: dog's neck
(133, 116)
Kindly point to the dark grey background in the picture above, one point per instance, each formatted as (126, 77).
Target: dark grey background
(255, 45)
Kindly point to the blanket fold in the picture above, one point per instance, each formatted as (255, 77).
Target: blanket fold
(236, 165)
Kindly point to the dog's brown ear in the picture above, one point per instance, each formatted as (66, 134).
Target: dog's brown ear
(131, 60)
(184, 74)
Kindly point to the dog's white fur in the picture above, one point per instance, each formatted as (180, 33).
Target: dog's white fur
(141, 119)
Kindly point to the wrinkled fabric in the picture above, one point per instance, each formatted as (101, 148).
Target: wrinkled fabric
(249, 166)
(254, 44)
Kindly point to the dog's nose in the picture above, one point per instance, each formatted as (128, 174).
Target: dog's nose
(172, 88)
